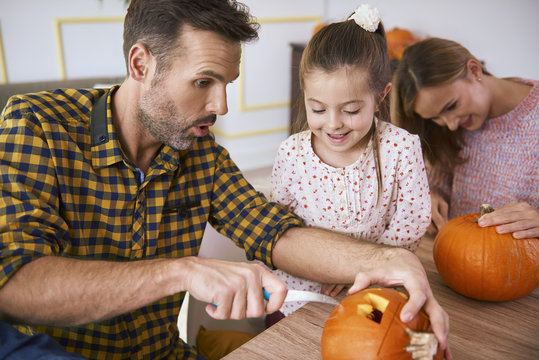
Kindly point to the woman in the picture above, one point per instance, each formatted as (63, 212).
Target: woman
(479, 134)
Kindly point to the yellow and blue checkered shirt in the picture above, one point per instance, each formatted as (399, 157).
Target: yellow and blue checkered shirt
(68, 190)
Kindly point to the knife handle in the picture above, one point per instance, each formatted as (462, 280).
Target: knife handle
(264, 292)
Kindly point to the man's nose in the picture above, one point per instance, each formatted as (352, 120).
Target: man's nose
(217, 104)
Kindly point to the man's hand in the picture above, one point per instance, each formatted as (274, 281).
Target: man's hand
(234, 287)
(333, 258)
(520, 219)
(403, 268)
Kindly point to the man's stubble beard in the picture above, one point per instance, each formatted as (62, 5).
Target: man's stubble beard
(158, 115)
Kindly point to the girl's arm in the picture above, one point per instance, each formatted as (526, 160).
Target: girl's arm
(413, 214)
(280, 178)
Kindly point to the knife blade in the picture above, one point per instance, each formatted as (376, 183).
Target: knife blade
(302, 295)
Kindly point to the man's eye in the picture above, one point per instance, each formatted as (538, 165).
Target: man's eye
(202, 83)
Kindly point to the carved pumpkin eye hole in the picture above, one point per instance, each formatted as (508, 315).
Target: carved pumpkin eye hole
(375, 315)
(373, 308)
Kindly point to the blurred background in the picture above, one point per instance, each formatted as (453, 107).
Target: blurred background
(79, 39)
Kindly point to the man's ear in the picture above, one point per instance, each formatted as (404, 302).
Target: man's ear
(474, 68)
(139, 62)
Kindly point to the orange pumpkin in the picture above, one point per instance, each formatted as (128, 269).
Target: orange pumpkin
(484, 265)
(318, 27)
(397, 41)
(367, 326)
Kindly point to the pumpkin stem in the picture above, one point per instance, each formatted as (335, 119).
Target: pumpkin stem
(423, 345)
(484, 209)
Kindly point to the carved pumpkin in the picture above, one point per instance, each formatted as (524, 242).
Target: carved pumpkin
(484, 265)
(366, 326)
(397, 41)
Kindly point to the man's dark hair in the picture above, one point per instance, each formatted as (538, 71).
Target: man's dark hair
(156, 24)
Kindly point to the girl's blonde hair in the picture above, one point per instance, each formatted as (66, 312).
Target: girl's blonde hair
(428, 63)
(346, 44)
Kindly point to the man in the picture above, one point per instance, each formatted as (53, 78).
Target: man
(105, 196)
(14, 345)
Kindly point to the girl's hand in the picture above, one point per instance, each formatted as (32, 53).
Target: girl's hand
(439, 213)
(520, 219)
(331, 289)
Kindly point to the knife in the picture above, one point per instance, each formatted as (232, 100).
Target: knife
(302, 295)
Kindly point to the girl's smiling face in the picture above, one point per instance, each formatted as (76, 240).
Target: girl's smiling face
(340, 109)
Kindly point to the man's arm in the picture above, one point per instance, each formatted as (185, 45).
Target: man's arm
(328, 257)
(68, 292)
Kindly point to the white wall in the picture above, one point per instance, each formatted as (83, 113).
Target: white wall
(503, 33)
(29, 39)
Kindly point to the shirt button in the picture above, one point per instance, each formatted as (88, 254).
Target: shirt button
(183, 212)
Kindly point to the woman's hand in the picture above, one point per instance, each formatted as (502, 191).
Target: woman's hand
(439, 213)
(519, 218)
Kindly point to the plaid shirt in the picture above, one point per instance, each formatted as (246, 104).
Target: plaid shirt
(68, 190)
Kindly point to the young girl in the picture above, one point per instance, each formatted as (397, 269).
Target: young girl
(479, 134)
(350, 171)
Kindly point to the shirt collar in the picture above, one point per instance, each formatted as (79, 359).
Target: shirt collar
(106, 148)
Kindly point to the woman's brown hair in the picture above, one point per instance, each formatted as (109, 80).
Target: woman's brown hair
(428, 63)
(346, 44)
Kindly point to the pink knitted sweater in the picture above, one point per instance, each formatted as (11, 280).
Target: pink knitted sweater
(503, 161)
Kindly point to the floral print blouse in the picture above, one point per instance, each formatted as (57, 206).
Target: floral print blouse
(345, 199)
